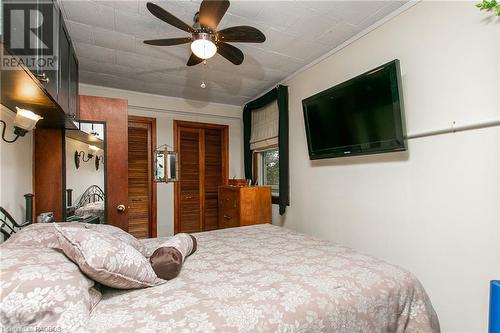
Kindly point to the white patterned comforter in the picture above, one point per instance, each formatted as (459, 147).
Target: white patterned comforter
(269, 279)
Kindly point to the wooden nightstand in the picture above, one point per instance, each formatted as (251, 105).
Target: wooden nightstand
(244, 205)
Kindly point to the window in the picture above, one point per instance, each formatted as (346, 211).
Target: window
(268, 169)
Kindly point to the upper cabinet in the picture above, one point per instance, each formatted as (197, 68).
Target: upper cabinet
(64, 47)
(48, 78)
(73, 84)
(56, 86)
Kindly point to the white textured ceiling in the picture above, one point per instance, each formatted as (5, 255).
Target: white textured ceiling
(108, 38)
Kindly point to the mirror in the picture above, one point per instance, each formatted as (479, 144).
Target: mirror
(85, 193)
(165, 166)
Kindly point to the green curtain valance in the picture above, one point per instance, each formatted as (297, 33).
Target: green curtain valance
(280, 95)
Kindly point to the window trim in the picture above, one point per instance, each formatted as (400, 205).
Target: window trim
(275, 199)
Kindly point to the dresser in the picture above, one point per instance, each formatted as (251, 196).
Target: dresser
(244, 205)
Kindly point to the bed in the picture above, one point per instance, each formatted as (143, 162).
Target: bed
(265, 278)
(91, 203)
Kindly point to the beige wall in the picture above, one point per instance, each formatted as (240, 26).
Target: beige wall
(165, 110)
(79, 180)
(435, 209)
(15, 169)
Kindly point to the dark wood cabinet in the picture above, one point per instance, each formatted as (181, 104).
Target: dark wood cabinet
(73, 110)
(49, 78)
(58, 83)
(64, 54)
(244, 205)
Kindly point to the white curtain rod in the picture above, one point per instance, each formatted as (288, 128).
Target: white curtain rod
(453, 129)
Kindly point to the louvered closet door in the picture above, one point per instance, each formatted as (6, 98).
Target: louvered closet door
(190, 178)
(203, 168)
(139, 179)
(213, 176)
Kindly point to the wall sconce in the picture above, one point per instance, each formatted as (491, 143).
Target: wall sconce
(98, 159)
(90, 154)
(93, 132)
(24, 122)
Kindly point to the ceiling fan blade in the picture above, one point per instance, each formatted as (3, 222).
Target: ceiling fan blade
(168, 41)
(242, 34)
(211, 12)
(165, 16)
(194, 60)
(231, 53)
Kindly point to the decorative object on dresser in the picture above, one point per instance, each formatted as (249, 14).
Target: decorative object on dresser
(244, 205)
(237, 182)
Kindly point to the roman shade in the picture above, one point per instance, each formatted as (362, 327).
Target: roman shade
(278, 95)
(265, 127)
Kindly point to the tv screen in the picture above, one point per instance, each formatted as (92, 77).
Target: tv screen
(361, 116)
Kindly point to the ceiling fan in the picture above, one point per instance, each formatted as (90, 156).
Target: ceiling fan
(205, 39)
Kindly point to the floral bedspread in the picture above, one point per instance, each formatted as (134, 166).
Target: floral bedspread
(266, 278)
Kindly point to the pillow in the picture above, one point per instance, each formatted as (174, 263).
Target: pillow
(106, 259)
(117, 233)
(43, 235)
(42, 289)
(37, 235)
(167, 260)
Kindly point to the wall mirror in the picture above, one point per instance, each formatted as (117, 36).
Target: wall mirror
(165, 166)
(85, 192)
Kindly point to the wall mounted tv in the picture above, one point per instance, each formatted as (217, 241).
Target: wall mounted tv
(361, 116)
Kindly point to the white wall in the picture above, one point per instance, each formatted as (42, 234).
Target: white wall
(15, 168)
(86, 175)
(165, 110)
(435, 209)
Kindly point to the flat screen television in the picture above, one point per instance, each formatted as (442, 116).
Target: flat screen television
(361, 116)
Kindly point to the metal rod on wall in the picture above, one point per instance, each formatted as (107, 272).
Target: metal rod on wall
(453, 129)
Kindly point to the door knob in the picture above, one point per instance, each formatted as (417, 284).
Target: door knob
(120, 208)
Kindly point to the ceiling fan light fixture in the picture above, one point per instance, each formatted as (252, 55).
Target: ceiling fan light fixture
(203, 46)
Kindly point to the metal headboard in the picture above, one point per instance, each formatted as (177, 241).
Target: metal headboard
(8, 225)
(93, 194)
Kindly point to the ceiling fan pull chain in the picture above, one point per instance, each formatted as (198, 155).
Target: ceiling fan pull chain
(203, 84)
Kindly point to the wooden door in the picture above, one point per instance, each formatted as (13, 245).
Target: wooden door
(203, 167)
(213, 177)
(189, 208)
(141, 188)
(114, 112)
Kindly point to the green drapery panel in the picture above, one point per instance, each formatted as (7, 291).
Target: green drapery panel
(280, 95)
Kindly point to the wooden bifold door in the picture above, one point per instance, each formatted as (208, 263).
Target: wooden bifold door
(203, 167)
(141, 188)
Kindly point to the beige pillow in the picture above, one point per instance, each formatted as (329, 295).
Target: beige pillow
(42, 288)
(43, 235)
(106, 259)
(38, 235)
(118, 233)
